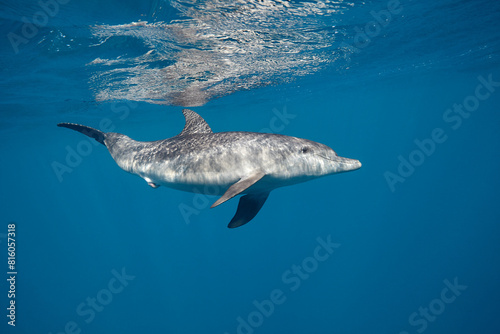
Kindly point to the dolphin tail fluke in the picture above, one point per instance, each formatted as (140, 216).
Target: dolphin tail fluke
(99, 136)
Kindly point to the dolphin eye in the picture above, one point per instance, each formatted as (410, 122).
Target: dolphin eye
(305, 149)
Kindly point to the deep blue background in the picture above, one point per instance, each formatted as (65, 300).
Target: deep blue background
(396, 247)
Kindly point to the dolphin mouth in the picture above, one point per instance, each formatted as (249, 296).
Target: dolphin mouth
(345, 164)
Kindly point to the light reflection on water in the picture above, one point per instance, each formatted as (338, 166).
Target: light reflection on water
(215, 48)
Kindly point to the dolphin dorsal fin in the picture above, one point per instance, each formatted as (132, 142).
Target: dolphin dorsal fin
(194, 124)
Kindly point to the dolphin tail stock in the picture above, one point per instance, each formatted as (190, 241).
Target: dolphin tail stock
(99, 136)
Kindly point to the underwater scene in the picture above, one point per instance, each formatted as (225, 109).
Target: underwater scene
(351, 147)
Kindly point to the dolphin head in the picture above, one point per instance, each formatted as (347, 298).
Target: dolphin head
(315, 159)
(303, 159)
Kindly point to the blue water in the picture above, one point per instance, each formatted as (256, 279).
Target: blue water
(407, 244)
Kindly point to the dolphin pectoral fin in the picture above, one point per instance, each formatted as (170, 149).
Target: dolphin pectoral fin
(240, 186)
(248, 207)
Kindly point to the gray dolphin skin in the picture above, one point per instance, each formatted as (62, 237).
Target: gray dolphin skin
(223, 163)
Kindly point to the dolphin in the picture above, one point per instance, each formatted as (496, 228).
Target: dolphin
(225, 164)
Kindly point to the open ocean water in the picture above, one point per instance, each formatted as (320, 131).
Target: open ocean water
(407, 244)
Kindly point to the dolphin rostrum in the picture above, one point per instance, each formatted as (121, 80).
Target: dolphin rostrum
(222, 163)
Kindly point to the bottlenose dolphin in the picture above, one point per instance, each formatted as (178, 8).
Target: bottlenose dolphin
(222, 163)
